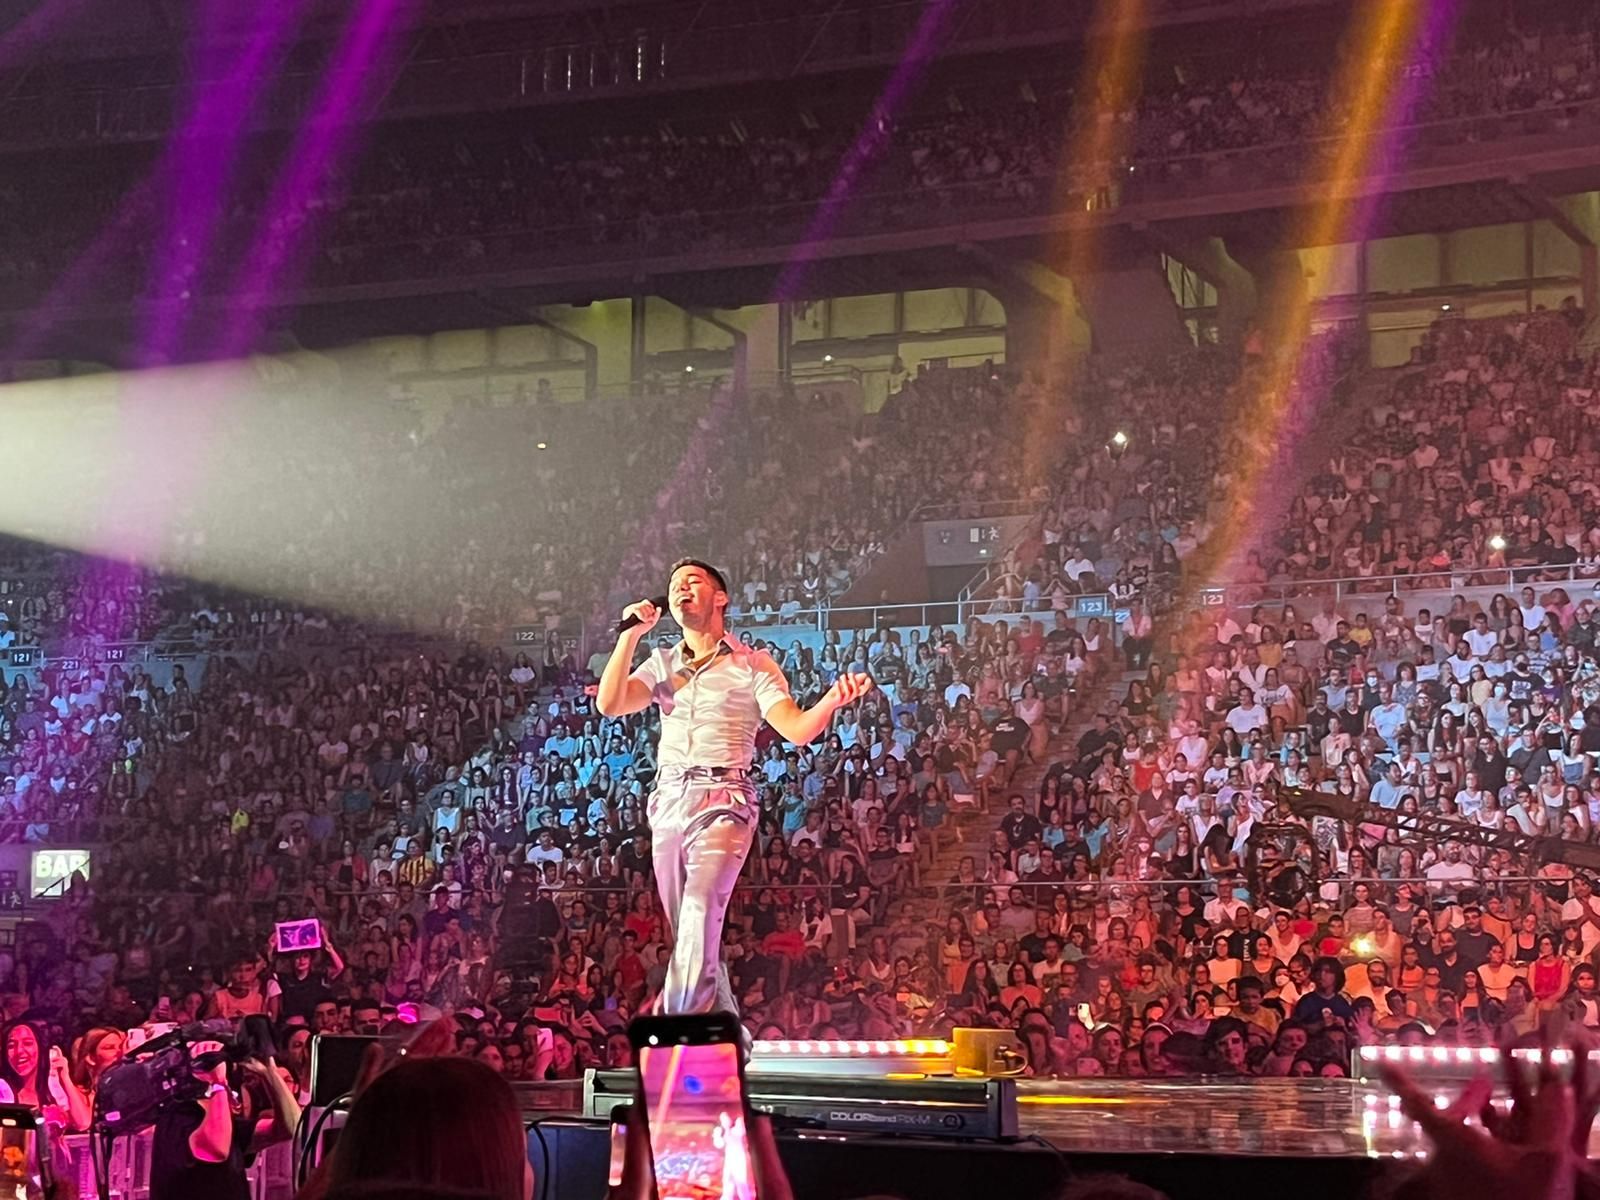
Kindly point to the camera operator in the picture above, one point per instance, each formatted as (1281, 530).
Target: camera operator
(203, 1146)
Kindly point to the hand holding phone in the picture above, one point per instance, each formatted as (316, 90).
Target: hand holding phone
(632, 1175)
(25, 1166)
(693, 1103)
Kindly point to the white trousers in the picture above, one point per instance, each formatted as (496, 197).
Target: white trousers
(701, 831)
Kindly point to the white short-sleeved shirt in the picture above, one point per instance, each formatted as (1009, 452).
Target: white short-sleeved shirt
(710, 716)
(1244, 720)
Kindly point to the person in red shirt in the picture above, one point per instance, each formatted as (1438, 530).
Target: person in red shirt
(1332, 943)
(642, 920)
(1030, 639)
(785, 941)
(1146, 768)
(629, 964)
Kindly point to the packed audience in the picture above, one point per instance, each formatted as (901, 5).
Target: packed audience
(1092, 831)
(446, 200)
(825, 492)
(339, 774)
(1478, 466)
(1035, 822)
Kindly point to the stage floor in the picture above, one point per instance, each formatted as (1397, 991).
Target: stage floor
(1256, 1118)
(1270, 1117)
(1314, 1139)
(1248, 1117)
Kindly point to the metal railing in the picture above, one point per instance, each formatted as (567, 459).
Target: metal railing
(68, 655)
(951, 614)
(1450, 580)
(743, 892)
(1161, 883)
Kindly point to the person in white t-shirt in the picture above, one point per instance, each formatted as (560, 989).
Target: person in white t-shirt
(1480, 639)
(1584, 906)
(1326, 623)
(1077, 566)
(545, 850)
(1532, 611)
(1446, 876)
(1191, 745)
(1248, 716)
(1226, 630)
(1216, 774)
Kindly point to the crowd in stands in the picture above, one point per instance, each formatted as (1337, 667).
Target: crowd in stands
(997, 154)
(397, 534)
(825, 492)
(441, 201)
(468, 830)
(1138, 888)
(1478, 464)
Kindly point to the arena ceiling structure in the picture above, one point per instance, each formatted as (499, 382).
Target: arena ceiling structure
(104, 90)
(222, 123)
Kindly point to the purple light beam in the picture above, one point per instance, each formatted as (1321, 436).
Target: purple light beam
(870, 141)
(178, 170)
(204, 159)
(286, 221)
(36, 28)
(184, 420)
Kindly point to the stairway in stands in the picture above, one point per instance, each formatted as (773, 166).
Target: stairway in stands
(977, 828)
(1329, 431)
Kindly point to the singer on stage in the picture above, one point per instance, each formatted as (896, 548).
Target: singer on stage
(714, 693)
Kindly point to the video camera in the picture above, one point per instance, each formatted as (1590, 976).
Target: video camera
(163, 1071)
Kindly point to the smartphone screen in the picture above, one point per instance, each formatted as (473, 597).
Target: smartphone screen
(23, 1172)
(695, 1098)
(619, 1144)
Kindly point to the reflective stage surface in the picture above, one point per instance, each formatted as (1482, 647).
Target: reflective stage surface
(1193, 1116)
(1128, 1118)
(1251, 1117)
(1314, 1139)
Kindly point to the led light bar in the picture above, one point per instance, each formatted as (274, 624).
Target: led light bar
(897, 1047)
(876, 1058)
(1428, 1063)
(840, 1101)
(1427, 1054)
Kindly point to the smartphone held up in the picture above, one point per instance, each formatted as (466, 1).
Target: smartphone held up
(696, 1115)
(24, 1155)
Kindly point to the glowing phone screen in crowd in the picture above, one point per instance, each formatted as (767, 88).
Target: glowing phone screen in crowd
(695, 1100)
(22, 1174)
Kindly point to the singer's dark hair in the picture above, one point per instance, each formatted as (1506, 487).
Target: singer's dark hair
(716, 575)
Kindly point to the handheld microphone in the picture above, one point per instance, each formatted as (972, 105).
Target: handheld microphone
(630, 621)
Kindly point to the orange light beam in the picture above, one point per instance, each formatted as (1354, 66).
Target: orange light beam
(1385, 37)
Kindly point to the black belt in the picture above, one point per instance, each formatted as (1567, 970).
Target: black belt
(739, 774)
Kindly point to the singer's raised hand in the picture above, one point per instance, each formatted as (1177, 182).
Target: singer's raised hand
(851, 686)
(645, 613)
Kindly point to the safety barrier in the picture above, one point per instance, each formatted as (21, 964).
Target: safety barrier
(271, 1173)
